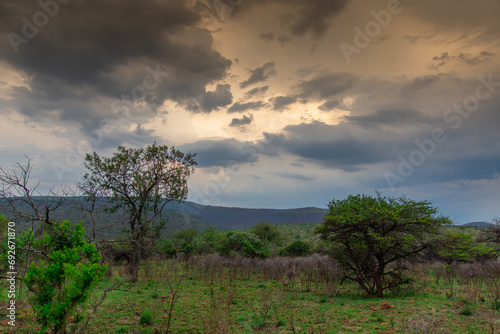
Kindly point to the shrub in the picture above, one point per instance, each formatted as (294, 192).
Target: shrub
(296, 248)
(461, 247)
(266, 232)
(246, 245)
(64, 271)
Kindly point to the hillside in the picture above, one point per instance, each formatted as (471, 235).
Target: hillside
(478, 224)
(230, 218)
(110, 225)
(181, 216)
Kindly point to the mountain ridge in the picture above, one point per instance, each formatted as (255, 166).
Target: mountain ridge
(182, 215)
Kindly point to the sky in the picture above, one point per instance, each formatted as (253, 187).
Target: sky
(287, 103)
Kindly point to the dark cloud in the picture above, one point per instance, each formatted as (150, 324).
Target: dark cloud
(423, 82)
(343, 146)
(95, 50)
(221, 153)
(440, 169)
(281, 102)
(257, 91)
(464, 58)
(476, 22)
(245, 120)
(326, 85)
(329, 105)
(301, 17)
(391, 117)
(259, 74)
(345, 154)
(267, 36)
(283, 40)
(439, 61)
(468, 59)
(219, 98)
(241, 107)
(296, 176)
(314, 16)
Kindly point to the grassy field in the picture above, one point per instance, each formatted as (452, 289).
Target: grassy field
(279, 295)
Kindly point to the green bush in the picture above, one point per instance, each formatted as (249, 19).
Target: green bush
(296, 248)
(460, 247)
(244, 244)
(64, 270)
(266, 232)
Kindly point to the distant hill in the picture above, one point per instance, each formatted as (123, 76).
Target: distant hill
(478, 224)
(110, 225)
(184, 215)
(231, 218)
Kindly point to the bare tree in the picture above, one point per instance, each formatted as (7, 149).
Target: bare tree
(21, 194)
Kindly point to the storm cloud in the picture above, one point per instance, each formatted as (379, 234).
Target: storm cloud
(120, 51)
(260, 74)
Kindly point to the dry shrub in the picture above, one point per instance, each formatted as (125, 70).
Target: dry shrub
(220, 311)
(491, 277)
(424, 324)
(212, 266)
(418, 274)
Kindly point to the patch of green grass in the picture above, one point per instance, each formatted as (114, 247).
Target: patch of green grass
(238, 300)
(466, 311)
(121, 330)
(146, 318)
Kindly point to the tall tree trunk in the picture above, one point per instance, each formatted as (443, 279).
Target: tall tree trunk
(135, 261)
(379, 292)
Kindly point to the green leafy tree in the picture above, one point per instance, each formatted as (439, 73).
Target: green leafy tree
(372, 234)
(491, 236)
(266, 232)
(209, 241)
(185, 240)
(296, 248)
(140, 182)
(460, 247)
(64, 270)
(245, 244)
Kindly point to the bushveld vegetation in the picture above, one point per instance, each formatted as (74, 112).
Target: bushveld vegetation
(375, 265)
(186, 286)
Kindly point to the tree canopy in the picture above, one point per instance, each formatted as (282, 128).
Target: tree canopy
(140, 181)
(373, 234)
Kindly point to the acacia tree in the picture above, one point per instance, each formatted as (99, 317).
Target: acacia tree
(491, 236)
(371, 236)
(140, 182)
